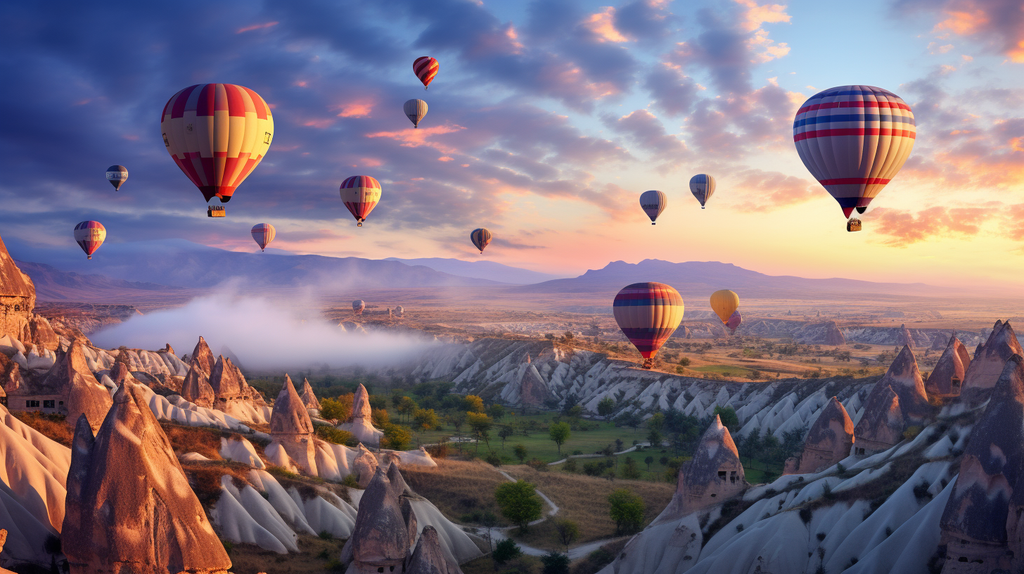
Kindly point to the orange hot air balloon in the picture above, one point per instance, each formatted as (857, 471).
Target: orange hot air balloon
(263, 233)
(425, 68)
(90, 235)
(724, 302)
(361, 193)
(217, 134)
(480, 237)
(648, 314)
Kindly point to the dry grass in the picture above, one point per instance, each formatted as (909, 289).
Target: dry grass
(457, 487)
(584, 500)
(204, 441)
(53, 427)
(204, 478)
(316, 556)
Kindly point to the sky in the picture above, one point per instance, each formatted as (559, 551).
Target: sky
(547, 120)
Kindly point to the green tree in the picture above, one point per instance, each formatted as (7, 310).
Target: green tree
(520, 452)
(504, 433)
(425, 419)
(481, 425)
(605, 406)
(473, 404)
(649, 461)
(559, 432)
(575, 411)
(729, 418)
(627, 510)
(506, 550)
(496, 411)
(518, 502)
(396, 437)
(555, 562)
(630, 470)
(568, 531)
(339, 409)
(406, 406)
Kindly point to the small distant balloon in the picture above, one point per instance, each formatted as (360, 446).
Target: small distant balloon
(361, 193)
(653, 202)
(648, 314)
(734, 322)
(117, 175)
(425, 68)
(480, 238)
(702, 186)
(415, 110)
(263, 233)
(90, 235)
(357, 306)
(724, 302)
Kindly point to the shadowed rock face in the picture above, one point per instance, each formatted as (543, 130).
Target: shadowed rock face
(976, 518)
(72, 381)
(882, 424)
(289, 416)
(713, 475)
(833, 336)
(903, 337)
(947, 377)
(308, 398)
(203, 357)
(227, 381)
(829, 439)
(17, 296)
(196, 387)
(987, 366)
(905, 379)
(380, 537)
(129, 506)
(428, 558)
(364, 466)
(533, 390)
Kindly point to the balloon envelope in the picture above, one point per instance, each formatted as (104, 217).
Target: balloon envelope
(724, 302)
(415, 110)
(480, 238)
(90, 235)
(853, 140)
(734, 321)
(361, 193)
(653, 202)
(425, 68)
(217, 134)
(263, 233)
(702, 186)
(358, 306)
(117, 175)
(648, 314)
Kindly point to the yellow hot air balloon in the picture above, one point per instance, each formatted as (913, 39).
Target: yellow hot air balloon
(724, 302)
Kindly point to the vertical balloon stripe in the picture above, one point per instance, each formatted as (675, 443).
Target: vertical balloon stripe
(648, 314)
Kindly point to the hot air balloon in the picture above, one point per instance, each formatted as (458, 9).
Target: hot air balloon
(358, 306)
(648, 314)
(425, 68)
(702, 186)
(400, 311)
(117, 175)
(853, 140)
(724, 302)
(415, 110)
(90, 235)
(263, 233)
(734, 321)
(360, 194)
(217, 134)
(653, 202)
(480, 237)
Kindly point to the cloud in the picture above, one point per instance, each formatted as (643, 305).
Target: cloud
(252, 27)
(674, 93)
(648, 133)
(905, 228)
(765, 191)
(996, 24)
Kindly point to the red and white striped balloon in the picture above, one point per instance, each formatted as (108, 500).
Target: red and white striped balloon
(425, 68)
(263, 233)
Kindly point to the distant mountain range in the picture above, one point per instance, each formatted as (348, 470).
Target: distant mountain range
(480, 270)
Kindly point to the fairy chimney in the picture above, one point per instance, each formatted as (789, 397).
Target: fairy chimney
(905, 379)
(129, 505)
(203, 357)
(364, 465)
(196, 387)
(429, 556)
(308, 398)
(360, 424)
(291, 427)
(833, 336)
(360, 405)
(713, 475)
(947, 377)
(986, 367)
(977, 526)
(17, 298)
(881, 425)
(828, 441)
(380, 539)
(533, 391)
(903, 337)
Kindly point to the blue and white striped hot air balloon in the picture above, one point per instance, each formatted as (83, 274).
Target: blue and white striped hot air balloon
(653, 202)
(702, 186)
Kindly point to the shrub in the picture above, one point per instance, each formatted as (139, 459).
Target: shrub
(505, 550)
(627, 510)
(518, 502)
(335, 435)
(325, 535)
(555, 563)
(493, 459)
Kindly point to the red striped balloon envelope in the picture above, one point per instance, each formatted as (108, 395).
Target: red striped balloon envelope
(263, 233)
(361, 193)
(90, 235)
(648, 314)
(425, 68)
(853, 140)
(217, 134)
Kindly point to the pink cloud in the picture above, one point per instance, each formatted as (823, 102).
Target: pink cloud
(905, 228)
(602, 26)
(262, 26)
(765, 191)
(998, 24)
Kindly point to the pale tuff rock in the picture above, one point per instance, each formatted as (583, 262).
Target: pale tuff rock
(977, 524)
(903, 337)
(828, 441)
(17, 298)
(196, 387)
(360, 405)
(981, 376)
(203, 357)
(905, 379)
(364, 466)
(429, 558)
(129, 505)
(881, 427)
(360, 423)
(713, 475)
(947, 377)
(227, 382)
(380, 538)
(308, 398)
(291, 427)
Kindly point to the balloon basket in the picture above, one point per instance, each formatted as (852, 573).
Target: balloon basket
(215, 211)
(647, 364)
(854, 225)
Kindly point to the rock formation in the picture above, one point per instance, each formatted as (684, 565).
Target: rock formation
(203, 357)
(17, 298)
(833, 336)
(291, 427)
(308, 398)
(905, 379)
(364, 466)
(713, 475)
(533, 391)
(360, 423)
(981, 376)
(228, 383)
(977, 527)
(903, 337)
(828, 441)
(882, 424)
(129, 506)
(947, 377)
(380, 539)
(69, 388)
(196, 387)
(429, 557)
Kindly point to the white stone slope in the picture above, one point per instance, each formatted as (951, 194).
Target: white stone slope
(900, 536)
(33, 481)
